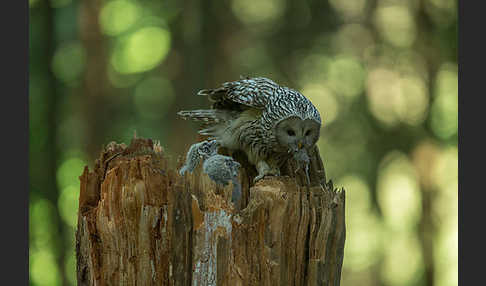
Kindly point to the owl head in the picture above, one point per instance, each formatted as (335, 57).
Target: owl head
(295, 133)
(232, 165)
(207, 148)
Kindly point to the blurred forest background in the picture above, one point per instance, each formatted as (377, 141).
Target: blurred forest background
(383, 74)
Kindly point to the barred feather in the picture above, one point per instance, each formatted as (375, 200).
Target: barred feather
(245, 112)
(212, 116)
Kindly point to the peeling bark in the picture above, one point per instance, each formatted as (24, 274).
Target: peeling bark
(141, 223)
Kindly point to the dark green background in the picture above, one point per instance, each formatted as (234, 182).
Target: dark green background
(383, 74)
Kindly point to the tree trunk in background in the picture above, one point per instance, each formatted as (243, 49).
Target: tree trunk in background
(140, 223)
(96, 88)
(52, 149)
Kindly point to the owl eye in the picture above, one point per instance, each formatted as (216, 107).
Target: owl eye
(291, 132)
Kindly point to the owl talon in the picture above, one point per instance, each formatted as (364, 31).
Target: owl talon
(273, 172)
(258, 178)
(265, 170)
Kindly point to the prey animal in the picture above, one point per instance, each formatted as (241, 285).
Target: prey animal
(197, 152)
(268, 122)
(222, 170)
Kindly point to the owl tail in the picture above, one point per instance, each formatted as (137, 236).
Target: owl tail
(212, 119)
(205, 115)
(213, 94)
(209, 116)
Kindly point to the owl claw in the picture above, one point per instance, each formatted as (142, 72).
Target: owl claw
(182, 171)
(272, 172)
(258, 178)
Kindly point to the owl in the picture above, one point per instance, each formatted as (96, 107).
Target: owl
(268, 122)
(222, 170)
(198, 151)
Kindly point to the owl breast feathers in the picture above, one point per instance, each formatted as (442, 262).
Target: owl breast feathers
(257, 116)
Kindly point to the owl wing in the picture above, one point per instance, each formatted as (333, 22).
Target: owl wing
(249, 92)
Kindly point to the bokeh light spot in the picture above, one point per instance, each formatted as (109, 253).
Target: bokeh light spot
(445, 180)
(413, 111)
(43, 268)
(69, 61)
(256, 12)
(444, 110)
(424, 157)
(353, 39)
(396, 25)
(358, 198)
(403, 260)
(349, 9)
(346, 76)
(69, 171)
(363, 229)
(445, 209)
(68, 205)
(70, 268)
(446, 254)
(41, 223)
(141, 51)
(393, 98)
(445, 170)
(383, 94)
(324, 100)
(118, 16)
(398, 192)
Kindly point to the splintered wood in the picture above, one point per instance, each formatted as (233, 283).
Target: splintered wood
(141, 223)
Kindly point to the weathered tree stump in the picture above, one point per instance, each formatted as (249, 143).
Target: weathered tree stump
(141, 223)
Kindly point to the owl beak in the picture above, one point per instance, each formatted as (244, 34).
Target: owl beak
(299, 145)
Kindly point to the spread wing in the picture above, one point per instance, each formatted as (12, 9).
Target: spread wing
(236, 95)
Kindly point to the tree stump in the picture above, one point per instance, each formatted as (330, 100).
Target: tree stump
(141, 223)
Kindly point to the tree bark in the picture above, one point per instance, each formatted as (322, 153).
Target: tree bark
(141, 223)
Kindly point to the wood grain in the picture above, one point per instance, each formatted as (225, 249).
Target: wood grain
(141, 223)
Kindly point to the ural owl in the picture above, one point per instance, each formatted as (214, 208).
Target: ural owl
(268, 122)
